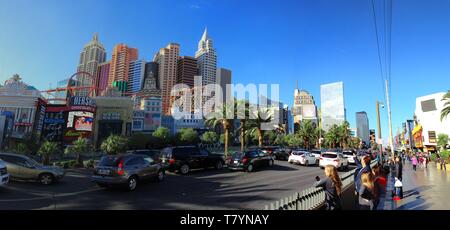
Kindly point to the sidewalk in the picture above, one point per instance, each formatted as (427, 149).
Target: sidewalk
(424, 189)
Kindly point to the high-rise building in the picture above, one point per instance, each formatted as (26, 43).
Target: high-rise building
(223, 78)
(362, 124)
(151, 76)
(186, 71)
(122, 56)
(206, 59)
(61, 95)
(304, 107)
(91, 56)
(167, 59)
(332, 104)
(102, 77)
(136, 76)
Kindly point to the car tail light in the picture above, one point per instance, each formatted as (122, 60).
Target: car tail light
(336, 161)
(172, 161)
(244, 160)
(321, 158)
(120, 169)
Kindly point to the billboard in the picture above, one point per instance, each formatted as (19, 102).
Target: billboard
(80, 120)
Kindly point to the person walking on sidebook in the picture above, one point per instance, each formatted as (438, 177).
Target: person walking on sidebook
(332, 186)
(414, 162)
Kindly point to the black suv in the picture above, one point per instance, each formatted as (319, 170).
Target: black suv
(276, 152)
(126, 170)
(250, 160)
(183, 159)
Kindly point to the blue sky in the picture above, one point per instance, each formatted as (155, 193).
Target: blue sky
(312, 41)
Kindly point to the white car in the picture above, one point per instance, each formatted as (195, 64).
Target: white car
(350, 157)
(303, 158)
(332, 158)
(4, 175)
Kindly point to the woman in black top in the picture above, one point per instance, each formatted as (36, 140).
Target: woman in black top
(332, 186)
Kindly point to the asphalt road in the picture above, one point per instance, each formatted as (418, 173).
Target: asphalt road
(202, 189)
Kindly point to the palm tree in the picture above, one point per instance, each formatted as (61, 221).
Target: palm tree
(244, 115)
(306, 132)
(222, 117)
(344, 134)
(318, 134)
(47, 150)
(260, 117)
(446, 111)
(80, 146)
(332, 136)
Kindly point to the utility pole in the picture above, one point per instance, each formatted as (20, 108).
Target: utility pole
(391, 141)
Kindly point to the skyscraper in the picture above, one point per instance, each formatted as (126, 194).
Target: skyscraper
(102, 77)
(167, 59)
(136, 76)
(304, 107)
(206, 59)
(332, 104)
(120, 65)
(362, 124)
(91, 56)
(223, 78)
(186, 71)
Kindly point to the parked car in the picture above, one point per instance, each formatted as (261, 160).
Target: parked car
(127, 170)
(250, 160)
(350, 156)
(302, 157)
(156, 155)
(184, 158)
(333, 158)
(4, 175)
(21, 167)
(276, 152)
(316, 153)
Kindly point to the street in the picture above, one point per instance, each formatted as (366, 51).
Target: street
(203, 189)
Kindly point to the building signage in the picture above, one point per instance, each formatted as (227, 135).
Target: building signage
(111, 116)
(82, 101)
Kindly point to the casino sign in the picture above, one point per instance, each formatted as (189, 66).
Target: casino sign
(80, 118)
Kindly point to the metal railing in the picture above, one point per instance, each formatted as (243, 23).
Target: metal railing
(311, 198)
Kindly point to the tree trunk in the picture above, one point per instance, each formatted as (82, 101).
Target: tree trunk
(226, 142)
(46, 160)
(260, 137)
(242, 135)
(79, 160)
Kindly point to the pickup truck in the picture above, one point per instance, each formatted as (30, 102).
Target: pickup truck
(183, 159)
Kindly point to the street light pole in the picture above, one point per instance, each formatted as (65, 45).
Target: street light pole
(391, 141)
(379, 128)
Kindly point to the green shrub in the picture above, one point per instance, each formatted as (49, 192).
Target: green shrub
(90, 164)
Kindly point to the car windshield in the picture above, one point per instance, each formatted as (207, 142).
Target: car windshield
(329, 155)
(298, 153)
(109, 161)
(348, 153)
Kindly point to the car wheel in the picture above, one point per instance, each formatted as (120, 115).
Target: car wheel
(46, 178)
(219, 165)
(341, 168)
(184, 169)
(290, 162)
(306, 163)
(250, 168)
(132, 183)
(271, 163)
(161, 175)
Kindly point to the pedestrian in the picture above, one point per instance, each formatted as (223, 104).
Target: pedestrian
(414, 162)
(442, 163)
(332, 186)
(367, 193)
(363, 165)
(380, 181)
(425, 161)
(398, 168)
